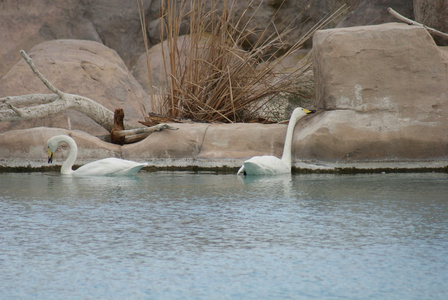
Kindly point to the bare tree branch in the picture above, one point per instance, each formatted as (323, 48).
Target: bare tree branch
(412, 22)
(36, 106)
(47, 83)
(145, 130)
(52, 104)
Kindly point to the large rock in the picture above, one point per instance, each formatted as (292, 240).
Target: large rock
(211, 141)
(80, 67)
(196, 144)
(27, 23)
(384, 91)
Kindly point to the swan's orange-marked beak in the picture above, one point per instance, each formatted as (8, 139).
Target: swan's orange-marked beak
(309, 111)
(50, 156)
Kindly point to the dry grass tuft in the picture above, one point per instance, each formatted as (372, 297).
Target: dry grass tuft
(218, 81)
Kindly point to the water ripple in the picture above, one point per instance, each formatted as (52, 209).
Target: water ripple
(178, 235)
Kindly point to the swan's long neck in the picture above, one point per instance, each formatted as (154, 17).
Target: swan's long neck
(286, 157)
(73, 153)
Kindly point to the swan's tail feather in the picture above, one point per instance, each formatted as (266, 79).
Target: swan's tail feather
(241, 171)
(131, 171)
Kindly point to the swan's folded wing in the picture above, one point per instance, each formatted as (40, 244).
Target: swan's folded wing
(111, 167)
(265, 165)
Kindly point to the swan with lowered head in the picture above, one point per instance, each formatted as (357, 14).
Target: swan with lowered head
(108, 166)
(271, 165)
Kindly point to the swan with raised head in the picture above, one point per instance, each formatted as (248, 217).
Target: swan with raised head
(272, 165)
(104, 167)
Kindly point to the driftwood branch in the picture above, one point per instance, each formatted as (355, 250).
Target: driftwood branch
(10, 112)
(55, 105)
(412, 22)
(145, 130)
(118, 135)
(47, 83)
(32, 99)
(36, 106)
(11, 108)
(138, 134)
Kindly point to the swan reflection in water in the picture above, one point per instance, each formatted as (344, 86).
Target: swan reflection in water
(281, 185)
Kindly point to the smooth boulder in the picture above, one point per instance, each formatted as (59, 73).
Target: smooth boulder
(383, 92)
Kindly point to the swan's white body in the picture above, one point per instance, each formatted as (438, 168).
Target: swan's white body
(104, 167)
(271, 165)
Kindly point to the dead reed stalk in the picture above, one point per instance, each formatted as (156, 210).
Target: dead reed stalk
(216, 80)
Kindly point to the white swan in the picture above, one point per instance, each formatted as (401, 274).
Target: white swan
(271, 165)
(108, 166)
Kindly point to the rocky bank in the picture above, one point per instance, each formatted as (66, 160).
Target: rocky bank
(381, 96)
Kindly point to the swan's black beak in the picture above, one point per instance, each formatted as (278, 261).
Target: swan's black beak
(309, 111)
(50, 156)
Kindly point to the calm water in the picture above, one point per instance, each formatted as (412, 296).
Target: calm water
(205, 236)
